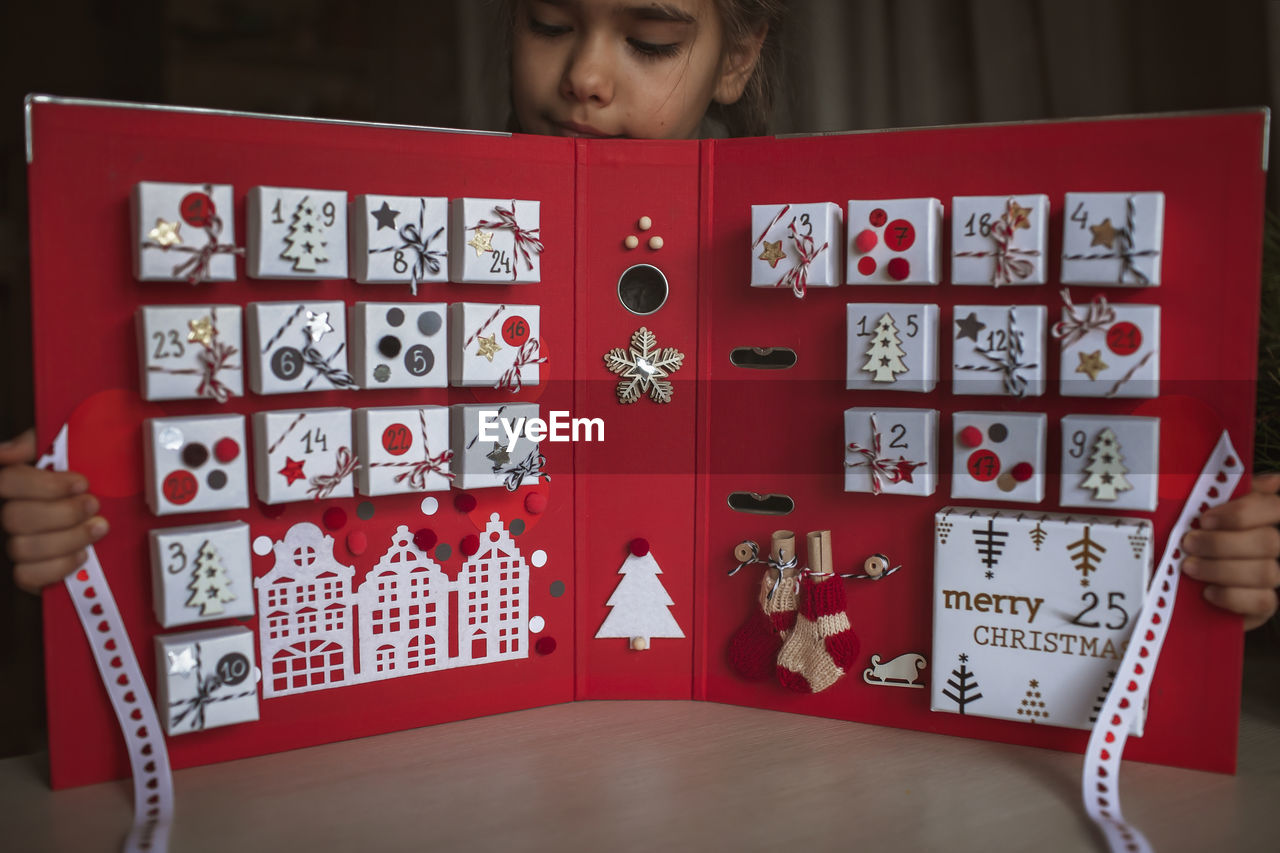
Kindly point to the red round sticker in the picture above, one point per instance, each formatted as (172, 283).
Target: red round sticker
(900, 235)
(515, 330)
(878, 217)
(180, 487)
(867, 265)
(983, 465)
(1124, 338)
(197, 209)
(396, 439)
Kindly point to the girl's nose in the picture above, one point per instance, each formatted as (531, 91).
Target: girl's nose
(589, 77)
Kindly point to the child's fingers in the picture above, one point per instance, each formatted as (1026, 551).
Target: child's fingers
(35, 547)
(1252, 543)
(22, 482)
(35, 576)
(1253, 574)
(19, 450)
(1255, 605)
(1261, 507)
(22, 517)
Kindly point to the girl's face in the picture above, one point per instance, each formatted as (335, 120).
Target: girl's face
(621, 68)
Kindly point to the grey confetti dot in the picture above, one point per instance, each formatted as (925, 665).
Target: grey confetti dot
(381, 373)
(557, 589)
(365, 510)
(443, 552)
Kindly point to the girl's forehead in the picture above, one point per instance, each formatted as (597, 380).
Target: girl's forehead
(676, 11)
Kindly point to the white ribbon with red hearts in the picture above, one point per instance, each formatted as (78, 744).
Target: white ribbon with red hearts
(130, 698)
(1100, 783)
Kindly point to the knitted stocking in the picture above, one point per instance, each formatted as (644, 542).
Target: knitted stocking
(822, 645)
(753, 650)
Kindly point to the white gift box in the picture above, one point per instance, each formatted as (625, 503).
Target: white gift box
(403, 449)
(183, 232)
(1032, 612)
(494, 241)
(201, 573)
(998, 456)
(999, 350)
(894, 241)
(1110, 462)
(484, 455)
(1118, 358)
(906, 460)
(400, 344)
(303, 454)
(999, 239)
(297, 233)
(892, 346)
(494, 345)
(1113, 238)
(190, 352)
(399, 239)
(796, 245)
(195, 464)
(297, 346)
(206, 679)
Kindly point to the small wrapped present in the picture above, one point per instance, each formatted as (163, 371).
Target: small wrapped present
(998, 456)
(403, 449)
(303, 454)
(891, 451)
(195, 464)
(1113, 238)
(494, 241)
(190, 352)
(999, 239)
(1110, 462)
(206, 679)
(894, 241)
(492, 446)
(399, 240)
(400, 344)
(201, 573)
(999, 350)
(892, 347)
(796, 246)
(297, 233)
(183, 232)
(297, 346)
(494, 345)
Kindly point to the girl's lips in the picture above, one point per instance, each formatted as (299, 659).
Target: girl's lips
(584, 130)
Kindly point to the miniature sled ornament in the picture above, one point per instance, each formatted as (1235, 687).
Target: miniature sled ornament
(1101, 778)
(130, 698)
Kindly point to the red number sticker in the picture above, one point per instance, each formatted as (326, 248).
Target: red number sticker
(515, 330)
(1124, 338)
(983, 465)
(900, 235)
(180, 487)
(197, 209)
(396, 439)
(878, 217)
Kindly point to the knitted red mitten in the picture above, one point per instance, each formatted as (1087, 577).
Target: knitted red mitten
(822, 646)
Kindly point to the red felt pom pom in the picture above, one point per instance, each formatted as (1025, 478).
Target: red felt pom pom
(535, 503)
(226, 450)
(425, 538)
(469, 544)
(898, 268)
(1023, 472)
(545, 645)
(335, 518)
(357, 542)
(464, 502)
(639, 546)
(971, 436)
(271, 510)
(865, 241)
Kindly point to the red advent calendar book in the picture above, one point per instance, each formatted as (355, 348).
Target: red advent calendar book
(398, 426)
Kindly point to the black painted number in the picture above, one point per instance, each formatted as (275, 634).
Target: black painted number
(168, 345)
(286, 363)
(232, 668)
(314, 438)
(1079, 215)
(398, 263)
(898, 432)
(805, 224)
(1092, 601)
(177, 559)
(1077, 444)
(330, 214)
(984, 225)
(997, 339)
(501, 263)
(419, 359)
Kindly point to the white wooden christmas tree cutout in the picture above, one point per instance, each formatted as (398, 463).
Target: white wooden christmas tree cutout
(1105, 471)
(210, 587)
(305, 241)
(640, 604)
(884, 353)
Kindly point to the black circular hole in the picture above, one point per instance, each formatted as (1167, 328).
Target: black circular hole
(643, 289)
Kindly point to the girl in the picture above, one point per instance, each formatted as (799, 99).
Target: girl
(652, 70)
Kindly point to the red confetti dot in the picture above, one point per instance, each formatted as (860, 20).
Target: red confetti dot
(878, 217)
(545, 645)
(226, 450)
(983, 465)
(867, 265)
(271, 510)
(469, 544)
(865, 241)
(464, 502)
(425, 538)
(357, 542)
(971, 436)
(180, 487)
(1124, 338)
(1023, 472)
(898, 268)
(900, 235)
(639, 546)
(335, 518)
(535, 503)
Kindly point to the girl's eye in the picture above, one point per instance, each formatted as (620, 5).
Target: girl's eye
(542, 28)
(651, 50)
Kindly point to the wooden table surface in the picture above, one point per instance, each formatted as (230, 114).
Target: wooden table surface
(621, 776)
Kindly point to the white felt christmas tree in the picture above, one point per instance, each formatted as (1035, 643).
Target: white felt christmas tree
(210, 587)
(884, 356)
(305, 240)
(1106, 468)
(639, 604)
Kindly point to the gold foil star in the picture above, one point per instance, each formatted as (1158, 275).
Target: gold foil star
(166, 234)
(1019, 217)
(1104, 234)
(482, 242)
(1091, 363)
(201, 331)
(488, 347)
(772, 253)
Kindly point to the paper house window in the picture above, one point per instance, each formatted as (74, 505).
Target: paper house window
(297, 233)
(1109, 350)
(796, 246)
(201, 573)
(399, 240)
(1113, 238)
(894, 241)
(183, 232)
(195, 464)
(297, 346)
(999, 350)
(495, 241)
(891, 451)
(892, 347)
(999, 240)
(1110, 462)
(998, 456)
(399, 344)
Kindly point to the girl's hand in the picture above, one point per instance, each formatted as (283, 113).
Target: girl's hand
(47, 515)
(1236, 550)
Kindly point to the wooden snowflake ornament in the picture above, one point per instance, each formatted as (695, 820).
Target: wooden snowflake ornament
(644, 368)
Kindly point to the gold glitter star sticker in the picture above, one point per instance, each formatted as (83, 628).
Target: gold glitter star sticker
(201, 331)
(1019, 217)
(166, 234)
(773, 253)
(488, 347)
(482, 242)
(1091, 363)
(1104, 234)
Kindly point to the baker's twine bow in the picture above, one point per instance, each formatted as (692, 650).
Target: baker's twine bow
(317, 362)
(205, 690)
(213, 358)
(797, 278)
(196, 267)
(525, 356)
(322, 485)
(1008, 265)
(1098, 315)
(528, 243)
(417, 471)
(411, 240)
(530, 466)
(883, 469)
(1125, 253)
(1007, 362)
